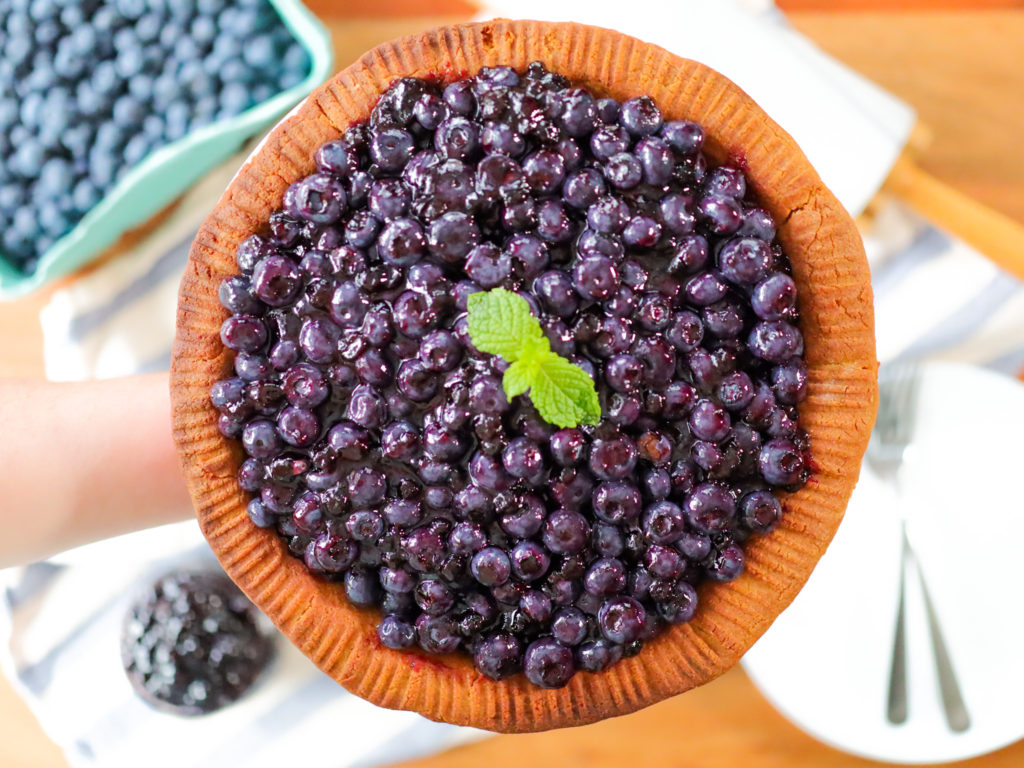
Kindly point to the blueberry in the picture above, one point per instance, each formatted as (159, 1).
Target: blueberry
(597, 655)
(663, 522)
(725, 182)
(457, 138)
(640, 116)
(548, 664)
(577, 112)
(775, 341)
(395, 633)
(745, 260)
(452, 236)
(727, 564)
(760, 511)
(722, 215)
(491, 566)
(684, 136)
(565, 532)
(774, 297)
(595, 277)
(623, 170)
(613, 458)
(656, 160)
(498, 656)
(437, 634)
(608, 141)
(789, 381)
(621, 619)
(782, 463)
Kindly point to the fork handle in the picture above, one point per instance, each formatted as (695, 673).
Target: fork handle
(896, 710)
(952, 700)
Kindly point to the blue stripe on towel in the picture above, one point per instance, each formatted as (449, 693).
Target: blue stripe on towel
(169, 264)
(966, 320)
(1011, 363)
(37, 677)
(160, 362)
(276, 723)
(34, 579)
(890, 275)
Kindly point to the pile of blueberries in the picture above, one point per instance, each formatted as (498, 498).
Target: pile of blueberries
(88, 88)
(192, 643)
(380, 443)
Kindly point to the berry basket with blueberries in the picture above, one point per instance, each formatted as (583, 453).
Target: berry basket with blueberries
(109, 109)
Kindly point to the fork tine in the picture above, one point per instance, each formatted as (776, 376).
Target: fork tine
(898, 386)
(904, 401)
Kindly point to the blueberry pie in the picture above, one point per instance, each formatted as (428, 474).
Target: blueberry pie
(524, 374)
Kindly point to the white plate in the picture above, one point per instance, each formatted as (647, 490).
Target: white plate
(825, 662)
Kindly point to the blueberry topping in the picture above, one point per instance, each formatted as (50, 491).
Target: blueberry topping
(380, 443)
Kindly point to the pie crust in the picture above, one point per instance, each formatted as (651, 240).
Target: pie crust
(835, 302)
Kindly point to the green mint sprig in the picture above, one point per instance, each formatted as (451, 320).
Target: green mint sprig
(500, 323)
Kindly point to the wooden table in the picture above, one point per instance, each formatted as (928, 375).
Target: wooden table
(963, 70)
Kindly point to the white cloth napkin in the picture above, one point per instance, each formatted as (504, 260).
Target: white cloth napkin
(59, 621)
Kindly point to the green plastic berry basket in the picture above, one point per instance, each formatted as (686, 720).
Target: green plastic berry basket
(167, 172)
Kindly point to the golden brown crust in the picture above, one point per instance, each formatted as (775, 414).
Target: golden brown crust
(835, 301)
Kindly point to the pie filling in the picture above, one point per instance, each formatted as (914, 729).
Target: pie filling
(395, 457)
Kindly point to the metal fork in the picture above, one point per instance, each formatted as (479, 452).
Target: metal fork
(894, 430)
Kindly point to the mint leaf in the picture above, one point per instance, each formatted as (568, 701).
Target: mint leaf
(500, 323)
(564, 394)
(518, 378)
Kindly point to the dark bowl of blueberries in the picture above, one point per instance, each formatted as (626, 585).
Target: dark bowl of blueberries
(524, 374)
(109, 109)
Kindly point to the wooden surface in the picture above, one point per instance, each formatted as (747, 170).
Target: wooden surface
(964, 73)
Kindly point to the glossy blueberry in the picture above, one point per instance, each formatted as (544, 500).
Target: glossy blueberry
(710, 508)
(612, 459)
(663, 522)
(565, 532)
(727, 564)
(617, 502)
(775, 341)
(498, 656)
(641, 116)
(782, 463)
(491, 566)
(621, 619)
(744, 260)
(684, 136)
(320, 198)
(760, 511)
(392, 148)
(789, 381)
